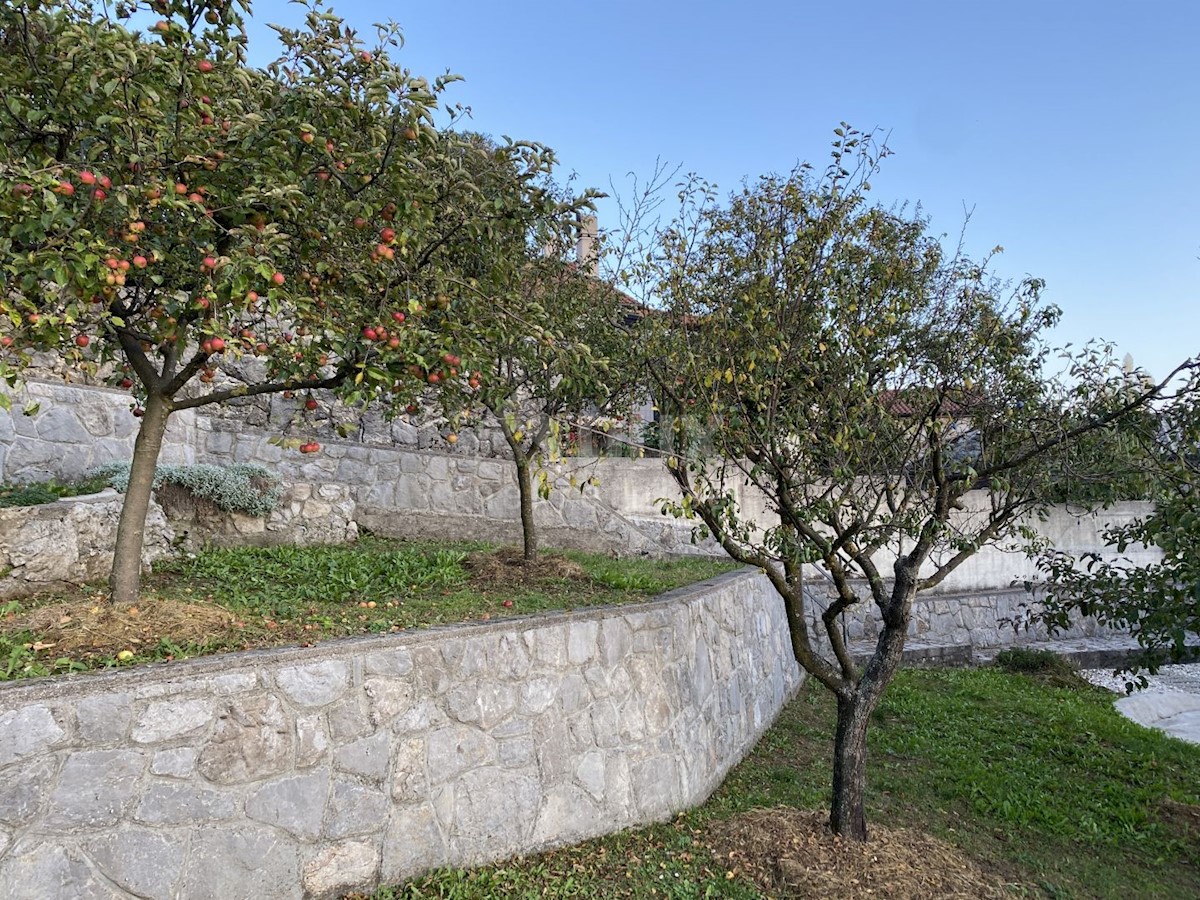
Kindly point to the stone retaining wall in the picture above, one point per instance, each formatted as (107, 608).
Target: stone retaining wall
(986, 619)
(437, 494)
(311, 772)
(69, 542)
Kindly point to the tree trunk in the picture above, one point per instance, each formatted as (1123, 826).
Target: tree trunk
(125, 581)
(525, 486)
(847, 814)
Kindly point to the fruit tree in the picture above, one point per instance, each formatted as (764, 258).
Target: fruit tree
(166, 208)
(857, 379)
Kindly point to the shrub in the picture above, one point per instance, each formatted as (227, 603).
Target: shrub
(242, 488)
(39, 492)
(1043, 666)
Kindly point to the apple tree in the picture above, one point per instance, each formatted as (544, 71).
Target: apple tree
(831, 362)
(166, 209)
(544, 330)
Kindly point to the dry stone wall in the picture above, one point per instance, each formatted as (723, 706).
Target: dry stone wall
(313, 772)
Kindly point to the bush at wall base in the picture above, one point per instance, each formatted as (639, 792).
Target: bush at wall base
(241, 488)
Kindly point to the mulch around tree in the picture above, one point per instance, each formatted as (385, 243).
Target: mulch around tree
(509, 566)
(792, 854)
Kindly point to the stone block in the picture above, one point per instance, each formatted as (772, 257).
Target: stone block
(341, 868)
(252, 739)
(568, 813)
(456, 749)
(95, 788)
(240, 861)
(354, 810)
(396, 663)
(495, 811)
(28, 730)
(367, 757)
(413, 843)
(145, 863)
(105, 718)
(347, 719)
(182, 803)
(312, 742)
(167, 719)
(179, 762)
(581, 641)
(24, 789)
(315, 684)
(387, 698)
(295, 803)
(409, 780)
(28, 871)
(537, 694)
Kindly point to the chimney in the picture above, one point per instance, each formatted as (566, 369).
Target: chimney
(587, 251)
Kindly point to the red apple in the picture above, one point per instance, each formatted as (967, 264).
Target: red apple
(278, 278)
(87, 178)
(205, 66)
(310, 404)
(82, 340)
(218, 344)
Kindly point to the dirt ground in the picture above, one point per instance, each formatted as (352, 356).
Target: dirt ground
(792, 854)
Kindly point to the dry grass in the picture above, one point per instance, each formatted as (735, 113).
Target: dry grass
(91, 625)
(790, 853)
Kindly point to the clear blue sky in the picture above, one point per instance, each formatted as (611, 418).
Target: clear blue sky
(1070, 128)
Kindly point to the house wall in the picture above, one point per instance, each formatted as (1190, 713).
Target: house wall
(313, 772)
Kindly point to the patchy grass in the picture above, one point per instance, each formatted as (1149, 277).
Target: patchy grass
(244, 598)
(981, 783)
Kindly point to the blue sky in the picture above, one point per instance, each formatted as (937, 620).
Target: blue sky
(1070, 129)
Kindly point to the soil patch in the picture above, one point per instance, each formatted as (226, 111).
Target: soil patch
(791, 853)
(1181, 819)
(508, 566)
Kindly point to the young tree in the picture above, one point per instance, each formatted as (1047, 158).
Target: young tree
(846, 369)
(1159, 603)
(552, 368)
(167, 208)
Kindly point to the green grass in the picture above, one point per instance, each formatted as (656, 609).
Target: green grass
(1046, 785)
(288, 595)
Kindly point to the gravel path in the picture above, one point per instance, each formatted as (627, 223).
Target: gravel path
(1170, 702)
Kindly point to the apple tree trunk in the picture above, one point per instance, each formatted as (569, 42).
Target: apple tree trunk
(125, 581)
(525, 488)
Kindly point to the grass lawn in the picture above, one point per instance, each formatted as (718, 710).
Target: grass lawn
(1040, 783)
(244, 598)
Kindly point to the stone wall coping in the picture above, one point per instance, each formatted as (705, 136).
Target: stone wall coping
(33, 690)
